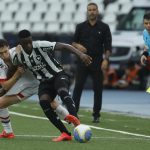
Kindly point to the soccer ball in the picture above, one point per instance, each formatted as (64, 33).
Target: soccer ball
(82, 133)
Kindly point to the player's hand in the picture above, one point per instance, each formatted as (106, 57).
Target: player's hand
(143, 60)
(18, 49)
(86, 59)
(80, 47)
(20, 70)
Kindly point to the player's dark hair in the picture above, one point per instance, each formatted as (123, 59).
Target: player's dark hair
(24, 34)
(92, 4)
(3, 43)
(147, 16)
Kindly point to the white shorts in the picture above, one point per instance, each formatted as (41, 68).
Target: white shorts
(25, 87)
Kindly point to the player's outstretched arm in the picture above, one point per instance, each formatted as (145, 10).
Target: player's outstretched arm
(84, 57)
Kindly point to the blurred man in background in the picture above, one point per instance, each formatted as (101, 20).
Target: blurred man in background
(93, 37)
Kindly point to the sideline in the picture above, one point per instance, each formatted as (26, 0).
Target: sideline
(98, 128)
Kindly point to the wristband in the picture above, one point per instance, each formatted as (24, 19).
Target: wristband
(145, 53)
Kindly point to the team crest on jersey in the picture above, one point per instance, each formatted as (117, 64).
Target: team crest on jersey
(38, 57)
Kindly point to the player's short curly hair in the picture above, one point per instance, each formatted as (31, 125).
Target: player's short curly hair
(3, 43)
(24, 34)
(147, 16)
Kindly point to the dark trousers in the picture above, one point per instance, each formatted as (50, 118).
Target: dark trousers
(97, 77)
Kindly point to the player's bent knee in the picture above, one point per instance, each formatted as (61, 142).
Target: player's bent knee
(54, 104)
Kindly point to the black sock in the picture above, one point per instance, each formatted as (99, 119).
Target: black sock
(68, 101)
(52, 116)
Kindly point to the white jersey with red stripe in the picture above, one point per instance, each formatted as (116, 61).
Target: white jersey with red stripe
(26, 86)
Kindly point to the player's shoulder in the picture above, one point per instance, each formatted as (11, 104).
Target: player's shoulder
(12, 52)
(145, 32)
(43, 43)
(13, 49)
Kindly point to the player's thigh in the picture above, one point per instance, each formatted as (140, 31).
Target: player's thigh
(62, 81)
(29, 91)
(46, 91)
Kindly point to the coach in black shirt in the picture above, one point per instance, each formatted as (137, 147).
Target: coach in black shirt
(94, 38)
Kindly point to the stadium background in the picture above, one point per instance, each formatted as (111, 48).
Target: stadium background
(55, 20)
(116, 131)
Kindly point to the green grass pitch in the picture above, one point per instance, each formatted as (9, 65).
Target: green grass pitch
(115, 132)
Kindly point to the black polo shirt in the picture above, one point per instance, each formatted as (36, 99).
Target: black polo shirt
(95, 38)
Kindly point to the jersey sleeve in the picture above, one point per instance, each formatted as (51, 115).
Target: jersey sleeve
(12, 52)
(145, 38)
(46, 46)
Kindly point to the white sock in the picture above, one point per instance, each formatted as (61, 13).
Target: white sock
(5, 120)
(62, 111)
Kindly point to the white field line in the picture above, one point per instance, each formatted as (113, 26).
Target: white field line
(93, 137)
(98, 128)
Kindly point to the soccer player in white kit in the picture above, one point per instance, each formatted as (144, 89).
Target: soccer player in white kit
(24, 87)
(4, 113)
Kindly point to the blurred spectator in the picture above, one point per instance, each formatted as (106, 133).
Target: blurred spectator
(130, 79)
(110, 77)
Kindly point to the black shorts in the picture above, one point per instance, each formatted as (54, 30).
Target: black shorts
(51, 86)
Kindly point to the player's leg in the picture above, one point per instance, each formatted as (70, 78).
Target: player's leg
(6, 101)
(46, 95)
(63, 112)
(25, 87)
(52, 116)
(59, 109)
(62, 88)
(11, 97)
(5, 120)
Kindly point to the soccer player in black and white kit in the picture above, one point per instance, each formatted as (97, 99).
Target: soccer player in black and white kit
(37, 56)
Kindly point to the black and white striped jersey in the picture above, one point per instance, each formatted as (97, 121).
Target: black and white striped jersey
(41, 61)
